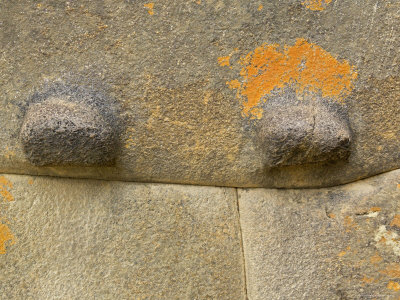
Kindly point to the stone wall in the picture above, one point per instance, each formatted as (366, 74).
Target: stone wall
(200, 149)
(90, 239)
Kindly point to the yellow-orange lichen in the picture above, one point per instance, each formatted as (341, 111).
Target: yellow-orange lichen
(6, 236)
(375, 209)
(150, 7)
(4, 185)
(316, 4)
(305, 66)
(376, 259)
(349, 223)
(367, 279)
(393, 285)
(224, 61)
(395, 221)
(392, 270)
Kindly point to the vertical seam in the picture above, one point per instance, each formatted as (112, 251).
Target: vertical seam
(241, 245)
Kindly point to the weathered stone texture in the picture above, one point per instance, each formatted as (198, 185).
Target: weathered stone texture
(86, 239)
(59, 132)
(168, 63)
(335, 243)
(68, 124)
(310, 130)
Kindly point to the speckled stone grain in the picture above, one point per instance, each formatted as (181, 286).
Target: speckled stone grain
(334, 243)
(87, 239)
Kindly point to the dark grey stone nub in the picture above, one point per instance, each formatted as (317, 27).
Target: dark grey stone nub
(295, 132)
(64, 126)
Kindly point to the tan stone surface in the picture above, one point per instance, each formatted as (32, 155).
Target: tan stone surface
(335, 243)
(87, 239)
(168, 63)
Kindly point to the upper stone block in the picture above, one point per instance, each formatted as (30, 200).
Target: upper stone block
(194, 83)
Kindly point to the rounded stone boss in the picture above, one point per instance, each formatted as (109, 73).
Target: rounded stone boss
(70, 125)
(295, 132)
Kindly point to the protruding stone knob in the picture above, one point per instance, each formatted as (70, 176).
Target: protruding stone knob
(302, 133)
(62, 129)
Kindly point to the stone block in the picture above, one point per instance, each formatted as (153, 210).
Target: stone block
(335, 243)
(194, 79)
(87, 239)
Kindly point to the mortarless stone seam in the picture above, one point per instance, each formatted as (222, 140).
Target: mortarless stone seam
(241, 245)
(7, 172)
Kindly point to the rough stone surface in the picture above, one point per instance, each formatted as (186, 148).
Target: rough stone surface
(167, 63)
(58, 132)
(333, 243)
(87, 239)
(70, 125)
(295, 132)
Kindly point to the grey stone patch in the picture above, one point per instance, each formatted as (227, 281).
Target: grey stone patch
(310, 130)
(70, 125)
(89, 239)
(331, 243)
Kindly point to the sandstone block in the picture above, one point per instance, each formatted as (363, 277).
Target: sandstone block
(334, 243)
(86, 239)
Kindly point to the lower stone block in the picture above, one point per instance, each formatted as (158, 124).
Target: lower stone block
(88, 239)
(332, 243)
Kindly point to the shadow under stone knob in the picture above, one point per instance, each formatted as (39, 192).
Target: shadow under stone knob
(61, 131)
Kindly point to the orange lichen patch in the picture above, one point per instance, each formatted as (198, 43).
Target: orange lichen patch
(367, 279)
(375, 209)
(392, 285)
(398, 185)
(150, 7)
(233, 84)
(4, 186)
(6, 238)
(349, 223)
(395, 221)
(382, 240)
(316, 4)
(260, 7)
(332, 215)
(344, 252)
(305, 66)
(30, 181)
(224, 61)
(376, 259)
(392, 270)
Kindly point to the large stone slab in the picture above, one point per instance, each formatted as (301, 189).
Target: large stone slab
(167, 63)
(86, 239)
(336, 243)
